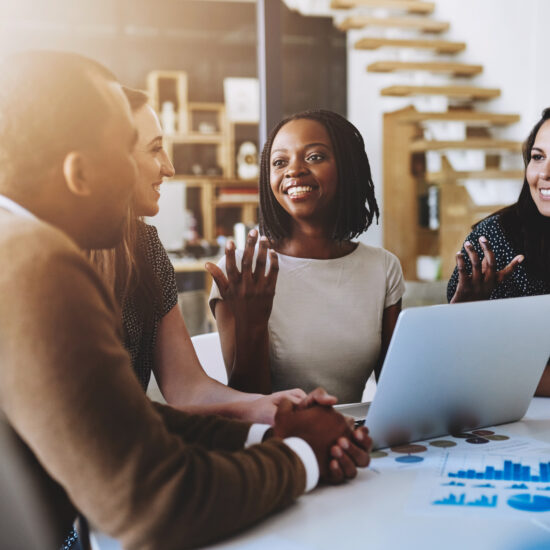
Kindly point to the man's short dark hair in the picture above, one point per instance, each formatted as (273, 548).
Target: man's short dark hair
(49, 105)
(355, 199)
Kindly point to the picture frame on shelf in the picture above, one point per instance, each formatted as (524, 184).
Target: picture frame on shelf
(242, 99)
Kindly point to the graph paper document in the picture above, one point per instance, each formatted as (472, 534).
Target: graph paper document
(513, 485)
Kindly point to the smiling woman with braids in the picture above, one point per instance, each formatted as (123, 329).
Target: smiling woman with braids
(324, 312)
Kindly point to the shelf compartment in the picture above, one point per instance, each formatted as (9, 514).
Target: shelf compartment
(170, 86)
(211, 113)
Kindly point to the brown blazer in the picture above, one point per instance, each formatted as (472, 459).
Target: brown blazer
(148, 475)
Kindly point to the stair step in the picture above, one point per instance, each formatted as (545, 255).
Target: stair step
(463, 92)
(440, 46)
(491, 174)
(417, 23)
(456, 69)
(410, 6)
(473, 118)
(422, 145)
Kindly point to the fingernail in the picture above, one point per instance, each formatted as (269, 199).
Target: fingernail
(467, 243)
(359, 434)
(252, 233)
(230, 245)
(338, 452)
(344, 443)
(483, 239)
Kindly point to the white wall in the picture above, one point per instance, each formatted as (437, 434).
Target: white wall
(507, 37)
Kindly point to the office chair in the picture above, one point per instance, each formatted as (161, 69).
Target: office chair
(25, 521)
(209, 352)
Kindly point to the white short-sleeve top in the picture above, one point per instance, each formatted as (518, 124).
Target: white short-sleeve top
(326, 324)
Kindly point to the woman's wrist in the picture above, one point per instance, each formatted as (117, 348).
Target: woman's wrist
(251, 326)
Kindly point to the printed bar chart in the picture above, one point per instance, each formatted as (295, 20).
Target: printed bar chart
(512, 471)
(453, 500)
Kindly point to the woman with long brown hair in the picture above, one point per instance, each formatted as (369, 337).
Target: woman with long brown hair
(143, 279)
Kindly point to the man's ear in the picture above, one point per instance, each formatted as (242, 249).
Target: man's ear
(75, 174)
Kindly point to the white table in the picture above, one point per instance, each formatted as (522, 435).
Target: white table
(373, 512)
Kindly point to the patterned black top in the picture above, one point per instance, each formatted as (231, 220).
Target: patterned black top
(520, 283)
(140, 342)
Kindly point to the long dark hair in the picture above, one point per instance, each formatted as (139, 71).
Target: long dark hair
(356, 203)
(526, 228)
(126, 268)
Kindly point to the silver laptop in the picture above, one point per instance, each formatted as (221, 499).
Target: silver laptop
(453, 368)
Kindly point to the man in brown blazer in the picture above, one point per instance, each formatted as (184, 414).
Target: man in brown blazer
(148, 475)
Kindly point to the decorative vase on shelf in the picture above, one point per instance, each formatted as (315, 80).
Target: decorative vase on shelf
(247, 161)
(168, 118)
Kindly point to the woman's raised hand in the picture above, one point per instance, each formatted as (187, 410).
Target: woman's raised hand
(248, 292)
(484, 277)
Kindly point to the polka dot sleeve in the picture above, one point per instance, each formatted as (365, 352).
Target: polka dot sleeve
(520, 283)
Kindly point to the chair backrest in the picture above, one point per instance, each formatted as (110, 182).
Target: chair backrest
(209, 352)
(25, 520)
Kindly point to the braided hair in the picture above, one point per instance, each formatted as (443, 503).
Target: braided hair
(356, 203)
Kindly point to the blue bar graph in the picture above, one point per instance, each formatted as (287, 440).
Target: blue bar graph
(512, 471)
(454, 500)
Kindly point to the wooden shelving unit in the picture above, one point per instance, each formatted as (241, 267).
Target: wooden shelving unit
(438, 46)
(410, 6)
(203, 153)
(415, 23)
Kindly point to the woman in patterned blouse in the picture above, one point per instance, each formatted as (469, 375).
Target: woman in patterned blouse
(143, 278)
(508, 254)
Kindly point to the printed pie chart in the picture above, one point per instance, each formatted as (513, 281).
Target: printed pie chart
(530, 503)
(410, 459)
